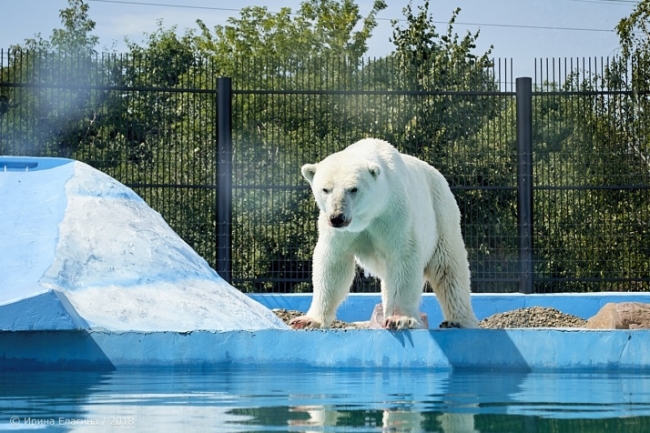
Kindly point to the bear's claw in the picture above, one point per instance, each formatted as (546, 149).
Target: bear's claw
(304, 322)
(447, 325)
(401, 322)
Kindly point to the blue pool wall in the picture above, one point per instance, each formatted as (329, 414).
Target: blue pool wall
(540, 349)
(359, 307)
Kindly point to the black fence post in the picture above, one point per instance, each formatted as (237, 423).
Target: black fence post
(524, 89)
(223, 264)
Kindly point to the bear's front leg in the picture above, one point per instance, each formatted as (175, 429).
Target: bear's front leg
(401, 295)
(333, 273)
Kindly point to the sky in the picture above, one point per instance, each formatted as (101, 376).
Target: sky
(521, 30)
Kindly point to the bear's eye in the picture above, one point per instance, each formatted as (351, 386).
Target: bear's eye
(326, 191)
(353, 190)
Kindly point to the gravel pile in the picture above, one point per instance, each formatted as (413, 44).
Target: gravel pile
(532, 317)
(287, 315)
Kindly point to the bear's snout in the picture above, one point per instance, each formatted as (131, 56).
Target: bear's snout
(338, 220)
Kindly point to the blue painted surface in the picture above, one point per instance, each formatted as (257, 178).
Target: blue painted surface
(81, 250)
(46, 311)
(445, 349)
(29, 229)
(28, 164)
(516, 349)
(359, 307)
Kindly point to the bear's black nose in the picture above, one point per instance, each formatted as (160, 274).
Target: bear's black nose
(337, 220)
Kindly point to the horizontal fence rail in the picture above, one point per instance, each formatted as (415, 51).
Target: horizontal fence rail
(552, 177)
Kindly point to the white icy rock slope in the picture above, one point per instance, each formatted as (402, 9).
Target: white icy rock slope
(123, 268)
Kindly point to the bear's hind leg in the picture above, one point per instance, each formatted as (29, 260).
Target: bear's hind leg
(451, 285)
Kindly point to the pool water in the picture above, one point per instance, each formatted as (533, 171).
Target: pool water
(317, 400)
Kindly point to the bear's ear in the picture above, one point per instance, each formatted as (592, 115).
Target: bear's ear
(374, 170)
(308, 171)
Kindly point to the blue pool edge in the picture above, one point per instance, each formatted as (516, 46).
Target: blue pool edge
(513, 349)
(446, 349)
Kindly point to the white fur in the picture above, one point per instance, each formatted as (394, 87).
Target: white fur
(396, 216)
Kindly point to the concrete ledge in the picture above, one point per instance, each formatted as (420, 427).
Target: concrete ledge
(445, 349)
(449, 349)
(46, 311)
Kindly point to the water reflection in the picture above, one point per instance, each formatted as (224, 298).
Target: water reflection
(235, 400)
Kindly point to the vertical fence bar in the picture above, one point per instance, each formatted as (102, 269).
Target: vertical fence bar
(223, 264)
(524, 92)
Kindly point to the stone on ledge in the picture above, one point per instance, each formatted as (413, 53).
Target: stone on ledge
(624, 315)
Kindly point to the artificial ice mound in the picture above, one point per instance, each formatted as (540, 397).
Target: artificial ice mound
(81, 250)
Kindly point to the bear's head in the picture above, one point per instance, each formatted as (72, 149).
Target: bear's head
(347, 190)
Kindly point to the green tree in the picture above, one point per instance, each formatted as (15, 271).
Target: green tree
(486, 165)
(64, 120)
(634, 36)
(108, 111)
(445, 113)
(158, 132)
(282, 42)
(75, 37)
(632, 72)
(435, 64)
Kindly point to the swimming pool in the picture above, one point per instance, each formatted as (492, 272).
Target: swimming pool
(325, 400)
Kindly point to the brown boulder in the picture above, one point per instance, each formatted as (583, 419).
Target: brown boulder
(625, 315)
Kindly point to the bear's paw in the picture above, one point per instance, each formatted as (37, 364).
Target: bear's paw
(448, 325)
(305, 322)
(401, 322)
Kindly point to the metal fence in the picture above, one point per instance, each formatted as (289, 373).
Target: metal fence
(591, 207)
(553, 196)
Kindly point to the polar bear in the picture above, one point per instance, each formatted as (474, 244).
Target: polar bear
(396, 217)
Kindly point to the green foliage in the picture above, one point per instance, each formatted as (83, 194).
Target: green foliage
(282, 42)
(62, 120)
(485, 162)
(634, 35)
(436, 65)
(75, 37)
(436, 61)
(597, 142)
(589, 224)
(318, 47)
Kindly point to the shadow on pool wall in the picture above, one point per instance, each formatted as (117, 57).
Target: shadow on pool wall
(92, 278)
